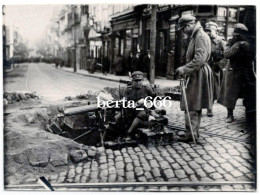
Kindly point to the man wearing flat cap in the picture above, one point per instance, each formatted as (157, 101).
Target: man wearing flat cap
(137, 92)
(239, 78)
(216, 61)
(200, 86)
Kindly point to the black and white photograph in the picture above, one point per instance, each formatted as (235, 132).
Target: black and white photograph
(120, 97)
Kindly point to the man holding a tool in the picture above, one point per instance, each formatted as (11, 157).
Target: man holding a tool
(197, 93)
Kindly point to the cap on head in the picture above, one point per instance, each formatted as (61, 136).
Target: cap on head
(240, 29)
(185, 20)
(209, 24)
(137, 75)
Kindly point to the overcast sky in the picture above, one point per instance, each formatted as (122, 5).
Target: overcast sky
(31, 20)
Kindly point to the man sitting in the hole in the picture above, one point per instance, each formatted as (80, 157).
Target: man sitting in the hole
(129, 119)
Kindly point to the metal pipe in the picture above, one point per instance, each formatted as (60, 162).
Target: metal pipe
(82, 135)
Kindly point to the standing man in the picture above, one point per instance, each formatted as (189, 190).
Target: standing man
(118, 65)
(238, 74)
(216, 61)
(200, 86)
(146, 62)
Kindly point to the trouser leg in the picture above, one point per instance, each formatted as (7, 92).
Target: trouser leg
(135, 124)
(195, 117)
(230, 117)
(230, 112)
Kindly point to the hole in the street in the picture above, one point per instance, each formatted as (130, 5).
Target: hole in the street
(95, 126)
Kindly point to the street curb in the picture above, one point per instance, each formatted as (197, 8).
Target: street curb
(98, 77)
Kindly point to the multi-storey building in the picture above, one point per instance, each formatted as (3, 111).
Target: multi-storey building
(11, 38)
(98, 32)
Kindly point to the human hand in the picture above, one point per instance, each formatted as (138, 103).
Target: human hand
(179, 71)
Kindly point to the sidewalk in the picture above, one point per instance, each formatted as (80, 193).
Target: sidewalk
(163, 83)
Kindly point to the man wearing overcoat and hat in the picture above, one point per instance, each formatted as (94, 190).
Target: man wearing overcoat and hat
(217, 61)
(239, 78)
(198, 74)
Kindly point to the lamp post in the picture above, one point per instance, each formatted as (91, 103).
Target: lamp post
(153, 43)
(74, 39)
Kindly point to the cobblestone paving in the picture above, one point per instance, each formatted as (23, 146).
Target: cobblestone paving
(214, 159)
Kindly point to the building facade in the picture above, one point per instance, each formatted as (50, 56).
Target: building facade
(98, 34)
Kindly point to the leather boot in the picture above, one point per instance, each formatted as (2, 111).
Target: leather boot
(230, 117)
(185, 138)
(210, 113)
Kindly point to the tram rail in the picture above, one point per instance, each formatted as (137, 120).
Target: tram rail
(68, 186)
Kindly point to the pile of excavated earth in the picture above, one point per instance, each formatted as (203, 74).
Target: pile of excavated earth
(13, 97)
(31, 151)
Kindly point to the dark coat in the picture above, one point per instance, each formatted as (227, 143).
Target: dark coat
(134, 63)
(238, 74)
(200, 86)
(118, 65)
(128, 64)
(217, 62)
(146, 63)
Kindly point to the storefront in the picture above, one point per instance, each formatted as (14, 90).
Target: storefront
(124, 37)
(95, 45)
(162, 37)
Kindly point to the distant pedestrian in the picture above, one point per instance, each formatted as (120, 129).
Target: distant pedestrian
(134, 62)
(239, 78)
(200, 86)
(92, 66)
(216, 61)
(105, 65)
(146, 64)
(118, 64)
(129, 64)
(140, 66)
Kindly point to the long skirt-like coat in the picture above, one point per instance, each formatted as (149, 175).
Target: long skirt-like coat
(199, 90)
(238, 80)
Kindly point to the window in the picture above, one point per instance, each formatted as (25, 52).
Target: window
(222, 11)
(190, 12)
(205, 10)
(232, 12)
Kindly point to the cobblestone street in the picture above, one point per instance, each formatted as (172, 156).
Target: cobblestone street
(224, 153)
(108, 97)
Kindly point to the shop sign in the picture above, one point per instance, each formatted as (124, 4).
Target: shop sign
(124, 25)
(160, 8)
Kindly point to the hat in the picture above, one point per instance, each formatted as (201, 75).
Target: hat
(209, 24)
(239, 29)
(185, 20)
(137, 75)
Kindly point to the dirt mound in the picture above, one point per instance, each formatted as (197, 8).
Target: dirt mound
(13, 97)
(30, 151)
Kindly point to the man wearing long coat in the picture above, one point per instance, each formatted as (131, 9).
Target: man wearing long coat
(239, 79)
(200, 86)
(217, 61)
